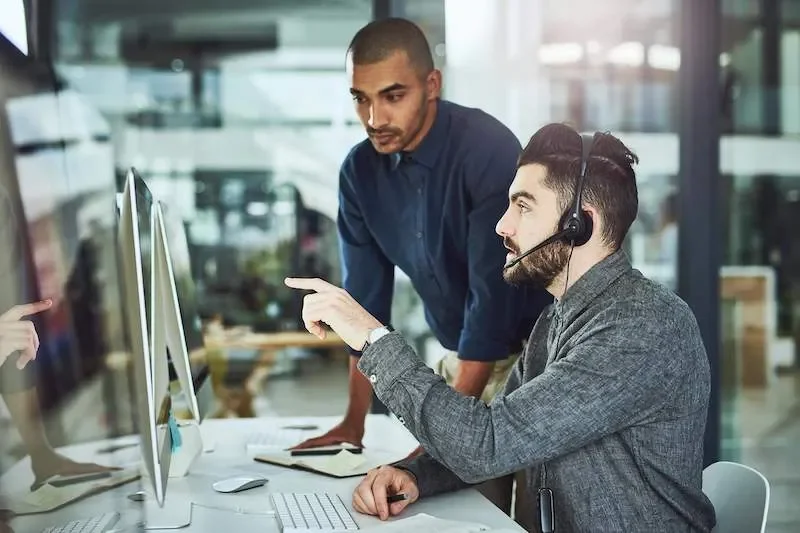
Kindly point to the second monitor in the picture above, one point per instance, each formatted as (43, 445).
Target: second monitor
(177, 336)
(176, 303)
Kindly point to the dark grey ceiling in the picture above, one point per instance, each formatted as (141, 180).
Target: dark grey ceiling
(127, 11)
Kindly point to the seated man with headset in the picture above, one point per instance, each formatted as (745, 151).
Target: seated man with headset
(606, 411)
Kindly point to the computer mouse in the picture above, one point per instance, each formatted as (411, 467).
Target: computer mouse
(138, 496)
(238, 484)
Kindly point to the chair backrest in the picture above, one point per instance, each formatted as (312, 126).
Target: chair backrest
(740, 495)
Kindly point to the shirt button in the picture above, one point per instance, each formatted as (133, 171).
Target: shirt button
(401, 420)
(373, 378)
(419, 191)
(419, 235)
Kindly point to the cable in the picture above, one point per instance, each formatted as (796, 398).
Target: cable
(238, 510)
(566, 280)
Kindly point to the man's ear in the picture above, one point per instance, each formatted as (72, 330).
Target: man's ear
(433, 84)
(597, 222)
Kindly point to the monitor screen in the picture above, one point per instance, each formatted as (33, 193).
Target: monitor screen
(65, 183)
(53, 243)
(55, 190)
(144, 210)
(13, 25)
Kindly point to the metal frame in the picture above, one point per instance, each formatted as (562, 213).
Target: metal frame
(699, 257)
(382, 9)
(771, 66)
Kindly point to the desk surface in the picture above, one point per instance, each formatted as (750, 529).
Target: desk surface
(215, 512)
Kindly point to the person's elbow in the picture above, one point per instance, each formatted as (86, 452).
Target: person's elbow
(478, 474)
(474, 469)
(475, 463)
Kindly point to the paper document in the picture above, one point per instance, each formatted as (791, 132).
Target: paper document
(48, 498)
(424, 523)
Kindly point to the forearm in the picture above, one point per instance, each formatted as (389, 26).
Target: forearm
(473, 440)
(24, 409)
(455, 432)
(472, 377)
(360, 395)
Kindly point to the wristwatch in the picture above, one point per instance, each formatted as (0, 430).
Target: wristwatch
(376, 334)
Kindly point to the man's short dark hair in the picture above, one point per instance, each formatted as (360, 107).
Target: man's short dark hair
(381, 38)
(610, 179)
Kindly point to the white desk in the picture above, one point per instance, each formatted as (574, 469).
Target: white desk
(214, 512)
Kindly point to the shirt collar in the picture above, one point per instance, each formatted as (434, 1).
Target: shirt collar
(431, 145)
(593, 283)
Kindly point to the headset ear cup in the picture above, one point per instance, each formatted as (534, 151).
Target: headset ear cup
(584, 229)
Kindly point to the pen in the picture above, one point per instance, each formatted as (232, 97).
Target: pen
(326, 451)
(397, 498)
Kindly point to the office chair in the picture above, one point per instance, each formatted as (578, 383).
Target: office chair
(740, 495)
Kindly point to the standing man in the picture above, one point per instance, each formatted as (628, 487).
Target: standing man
(423, 193)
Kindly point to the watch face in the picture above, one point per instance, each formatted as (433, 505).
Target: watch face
(377, 333)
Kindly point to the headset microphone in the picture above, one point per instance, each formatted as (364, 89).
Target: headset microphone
(575, 223)
(548, 241)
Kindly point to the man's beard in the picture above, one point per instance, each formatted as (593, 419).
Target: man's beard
(541, 268)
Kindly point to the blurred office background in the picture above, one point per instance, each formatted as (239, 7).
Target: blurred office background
(237, 114)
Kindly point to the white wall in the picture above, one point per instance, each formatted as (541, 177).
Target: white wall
(310, 159)
(316, 151)
(488, 60)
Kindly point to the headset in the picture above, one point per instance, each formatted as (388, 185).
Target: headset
(576, 224)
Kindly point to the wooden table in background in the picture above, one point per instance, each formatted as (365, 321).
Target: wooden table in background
(238, 399)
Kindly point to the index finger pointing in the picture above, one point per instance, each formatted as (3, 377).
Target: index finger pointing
(20, 311)
(309, 284)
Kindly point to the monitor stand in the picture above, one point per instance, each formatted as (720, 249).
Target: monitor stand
(175, 514)
(190, 449)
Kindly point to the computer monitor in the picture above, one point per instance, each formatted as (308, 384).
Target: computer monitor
(177, 314)
(13, 23)
(151, 375)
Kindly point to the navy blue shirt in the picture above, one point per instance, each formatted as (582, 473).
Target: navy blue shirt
(432, 212)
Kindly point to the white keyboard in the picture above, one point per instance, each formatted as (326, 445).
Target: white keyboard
(96, 524)
(276, 440)
(312, 512)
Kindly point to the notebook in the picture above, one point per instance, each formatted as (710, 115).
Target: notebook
(342, 465)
